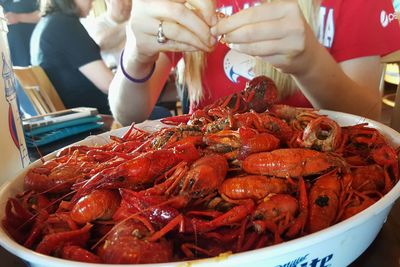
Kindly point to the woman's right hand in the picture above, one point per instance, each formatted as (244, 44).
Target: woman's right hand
(12, 18)
(186, 25)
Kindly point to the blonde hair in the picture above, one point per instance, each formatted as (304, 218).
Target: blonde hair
(194, 63)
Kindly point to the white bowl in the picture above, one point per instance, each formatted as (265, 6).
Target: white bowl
(338, 245)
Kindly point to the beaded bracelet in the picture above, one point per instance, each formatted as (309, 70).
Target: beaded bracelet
(145, 79)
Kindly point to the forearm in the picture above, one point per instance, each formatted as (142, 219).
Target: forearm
(131, 101)
(185, 30)
(98, 73)
(29, 17)
(328, 86)
(287, 42)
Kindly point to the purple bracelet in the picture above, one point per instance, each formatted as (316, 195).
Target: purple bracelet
(145, 79)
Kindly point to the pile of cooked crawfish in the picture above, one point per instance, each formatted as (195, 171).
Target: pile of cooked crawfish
(241, 174)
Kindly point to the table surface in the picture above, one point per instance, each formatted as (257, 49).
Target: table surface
(384, 250)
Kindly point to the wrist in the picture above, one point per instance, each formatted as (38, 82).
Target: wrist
(141, 79)
(132, 52)
(132, 56)
(306, 61)
(316, 67)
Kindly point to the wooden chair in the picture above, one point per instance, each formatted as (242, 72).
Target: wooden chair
(39, 89)
(394, 58)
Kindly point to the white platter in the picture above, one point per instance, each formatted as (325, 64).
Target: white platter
(338, 245)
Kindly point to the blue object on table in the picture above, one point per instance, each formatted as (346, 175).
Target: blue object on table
(54, 132)
(56, 126)
(54, 135)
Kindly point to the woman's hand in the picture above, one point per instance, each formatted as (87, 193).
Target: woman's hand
(12, 18)
(186, 25)
(276, 32)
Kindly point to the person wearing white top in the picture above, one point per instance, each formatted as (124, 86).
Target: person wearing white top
(108, 30)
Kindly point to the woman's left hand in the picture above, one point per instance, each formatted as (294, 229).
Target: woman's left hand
(276, 32)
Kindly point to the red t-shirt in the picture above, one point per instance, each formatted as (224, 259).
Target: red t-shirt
(358, 28)
(349, 29)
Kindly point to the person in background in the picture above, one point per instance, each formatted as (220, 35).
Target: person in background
(108, 30)
(320, 53)
(22, 16)
(69, 56)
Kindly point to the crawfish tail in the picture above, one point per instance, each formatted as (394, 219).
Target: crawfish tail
(255, 187)
(99, 204)
(291, 162)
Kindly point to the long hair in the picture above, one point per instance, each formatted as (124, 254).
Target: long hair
(67, 7)
(194, 63)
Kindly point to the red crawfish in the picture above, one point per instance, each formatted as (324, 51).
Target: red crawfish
(240, 143)
(255, 187)
(291, 162)
(142, 170)
(324, 201)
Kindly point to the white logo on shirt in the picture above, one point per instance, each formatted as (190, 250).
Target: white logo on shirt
(384, 19)
(326, 29)
(238, 65)
(228, 9)
(387, 18)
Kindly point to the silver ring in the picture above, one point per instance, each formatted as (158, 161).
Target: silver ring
(161, 39)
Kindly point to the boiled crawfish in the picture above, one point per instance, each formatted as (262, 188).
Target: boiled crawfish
(291, 162)
(240, 174)
(258, 95)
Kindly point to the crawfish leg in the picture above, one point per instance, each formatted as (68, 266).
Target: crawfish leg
(171, 225)
(236, 214)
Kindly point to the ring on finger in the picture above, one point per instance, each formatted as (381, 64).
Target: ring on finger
(161, 38)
